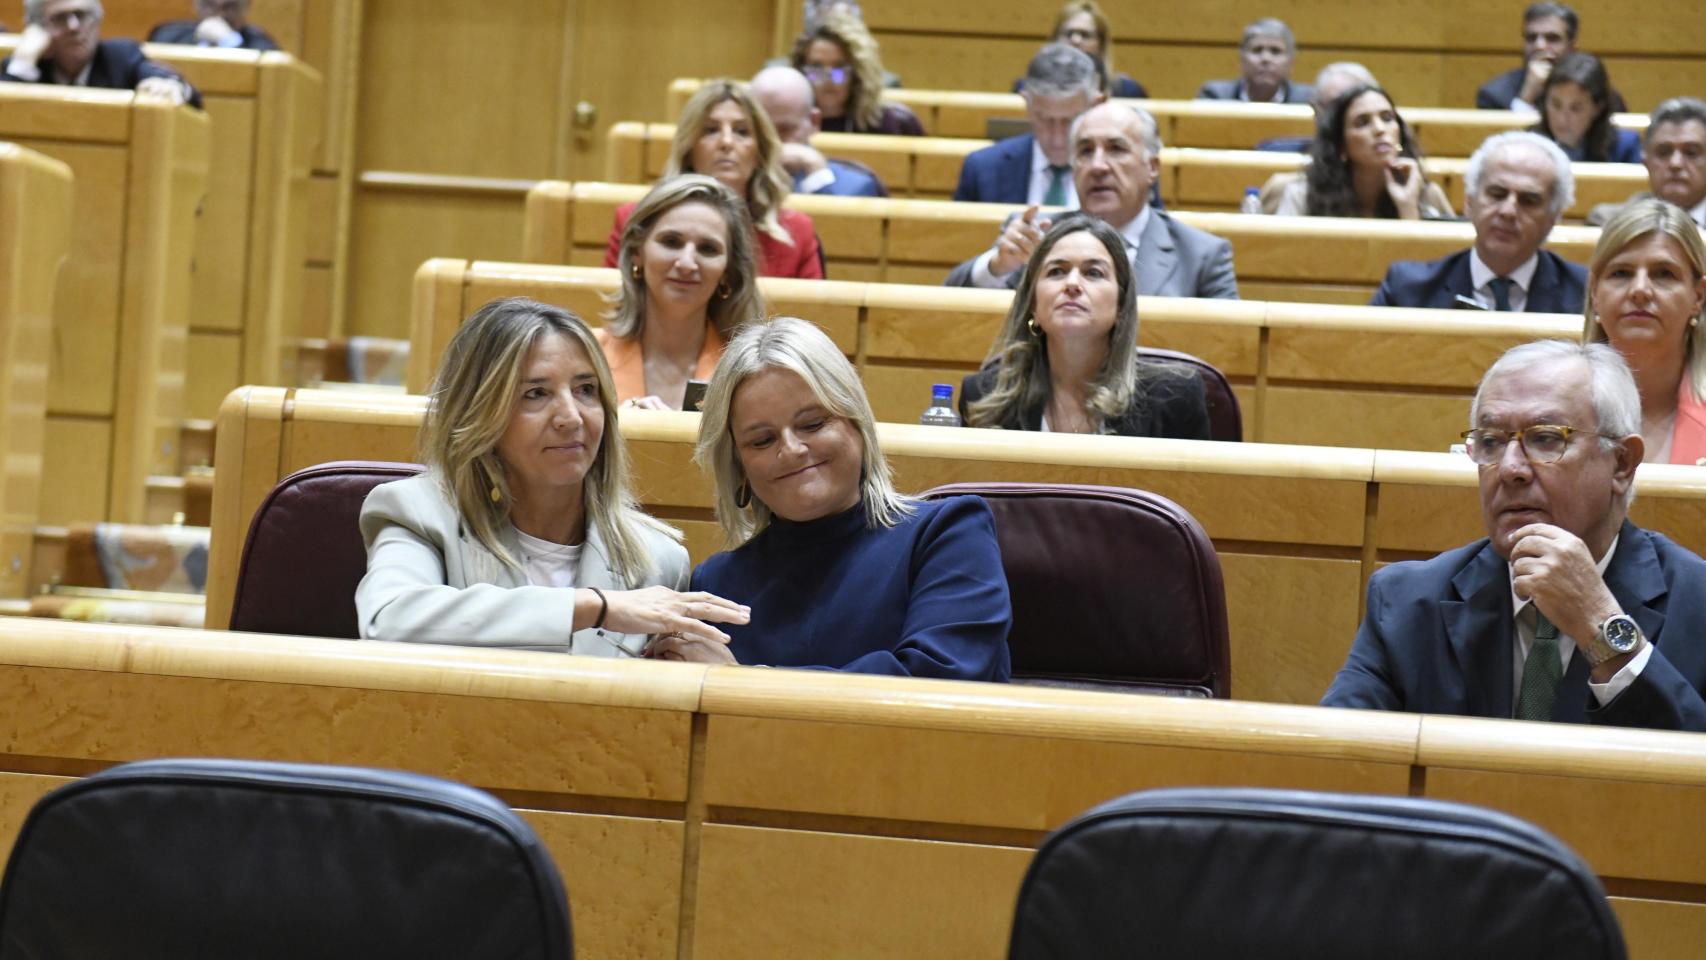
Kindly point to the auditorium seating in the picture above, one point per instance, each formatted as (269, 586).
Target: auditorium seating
(1314, 875)
(1298, 529)
(1112, 589)
(728, 812)
(1215, 124)
(35, 236)
(161, 859)
(928, 168)
(251, 233)
(115, 389)
(1330, 375)
(1307, 259)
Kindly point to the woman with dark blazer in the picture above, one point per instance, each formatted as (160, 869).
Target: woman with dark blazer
(1066, 360)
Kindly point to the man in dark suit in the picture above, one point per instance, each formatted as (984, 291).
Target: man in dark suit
(62, 44)
(787, 98)
(1518, 184)
(1265, 58)
(222, 23)
(1116, 158)
(1548, 32)
(1674, 151)
(1035, 167)
(1566, 611)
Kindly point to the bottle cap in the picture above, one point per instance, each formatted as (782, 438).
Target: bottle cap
(942, 391)
(1252, 190)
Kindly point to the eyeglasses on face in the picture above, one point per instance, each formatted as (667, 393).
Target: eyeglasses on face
(74, 17)
(1541, 443)
(818, 74)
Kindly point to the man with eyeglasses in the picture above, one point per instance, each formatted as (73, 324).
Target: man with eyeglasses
(62, 44)
(1566, 611)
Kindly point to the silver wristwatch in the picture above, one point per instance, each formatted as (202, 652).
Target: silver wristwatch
(1615, 637)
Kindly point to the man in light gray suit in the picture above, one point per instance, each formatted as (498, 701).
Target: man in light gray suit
(1116, 156)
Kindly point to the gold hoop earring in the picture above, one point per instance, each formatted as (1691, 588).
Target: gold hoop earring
(1031, 322)
(743, 495)
(497, 495)
(637, 273)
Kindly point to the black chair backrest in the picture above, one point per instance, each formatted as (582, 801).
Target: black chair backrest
(1235, 873)
(229, 858)
(1111, 588)
(304, 555)
(1225, 420)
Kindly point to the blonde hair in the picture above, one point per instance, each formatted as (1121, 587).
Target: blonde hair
(1634, 221)
(626, 317)
(1020, 353)
(469, 408)
(1104, 35)
(788, 343)
(865, 94)
(770, 183)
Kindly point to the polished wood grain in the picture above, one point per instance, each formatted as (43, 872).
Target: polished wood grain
(35, 239)
(115, 388)
(919, 241)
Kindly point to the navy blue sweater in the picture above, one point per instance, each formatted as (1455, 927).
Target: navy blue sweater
(924, 598)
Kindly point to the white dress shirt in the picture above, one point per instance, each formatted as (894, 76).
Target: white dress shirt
(1482, 276)
(1132, 232)
(1603, 693)
(1040, 180)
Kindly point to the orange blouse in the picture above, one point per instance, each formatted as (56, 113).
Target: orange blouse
(1688, 433)
(628, 361)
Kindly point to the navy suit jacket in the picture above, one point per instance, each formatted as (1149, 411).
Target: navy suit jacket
(998, 173)
(183, 31)
(1438, 633)
(1558, 286)
(1497, 93)
(851, 180)
(117, 65)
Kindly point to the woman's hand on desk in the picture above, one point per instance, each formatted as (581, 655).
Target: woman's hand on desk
(674, 646)
(659, 610)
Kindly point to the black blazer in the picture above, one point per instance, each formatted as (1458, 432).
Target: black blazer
(117, 65)
(1169, 403)
(183, 31)
(1559, 286)
(1437, 639)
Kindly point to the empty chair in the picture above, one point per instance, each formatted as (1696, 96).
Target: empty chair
(304, 555)
(229, 858)
(1239, 873)
(1111, 589)
(1225, 421)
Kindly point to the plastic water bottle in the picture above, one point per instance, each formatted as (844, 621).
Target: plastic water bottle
(941, 413)
(1252, 201)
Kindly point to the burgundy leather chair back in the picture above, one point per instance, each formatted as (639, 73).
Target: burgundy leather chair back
(1112, 589)
(304, 555)
(1225, 421)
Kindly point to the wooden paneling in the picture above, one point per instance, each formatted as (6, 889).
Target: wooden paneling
(118, 365)
(810, 813)
(35, 238)
(918, 241)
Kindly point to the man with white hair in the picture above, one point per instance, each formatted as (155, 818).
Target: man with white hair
(786, 96)
(1518, 185)
(219, 23)
(62, 44)
(1566, 611)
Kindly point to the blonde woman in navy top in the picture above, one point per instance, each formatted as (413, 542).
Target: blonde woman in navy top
(840, 571)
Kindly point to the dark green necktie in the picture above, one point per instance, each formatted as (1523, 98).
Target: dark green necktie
(1502, 293)
(1056, 194)
(1541, 673)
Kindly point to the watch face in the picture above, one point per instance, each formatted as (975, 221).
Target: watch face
(1621, 633)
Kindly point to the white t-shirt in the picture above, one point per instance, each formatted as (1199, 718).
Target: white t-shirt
(549, 564)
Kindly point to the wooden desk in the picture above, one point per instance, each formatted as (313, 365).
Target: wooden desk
(1213, 124)
(115, 393)
(1304, 259)
(732, 812)
(35, 236)
(928, 168)
(1311, 374)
